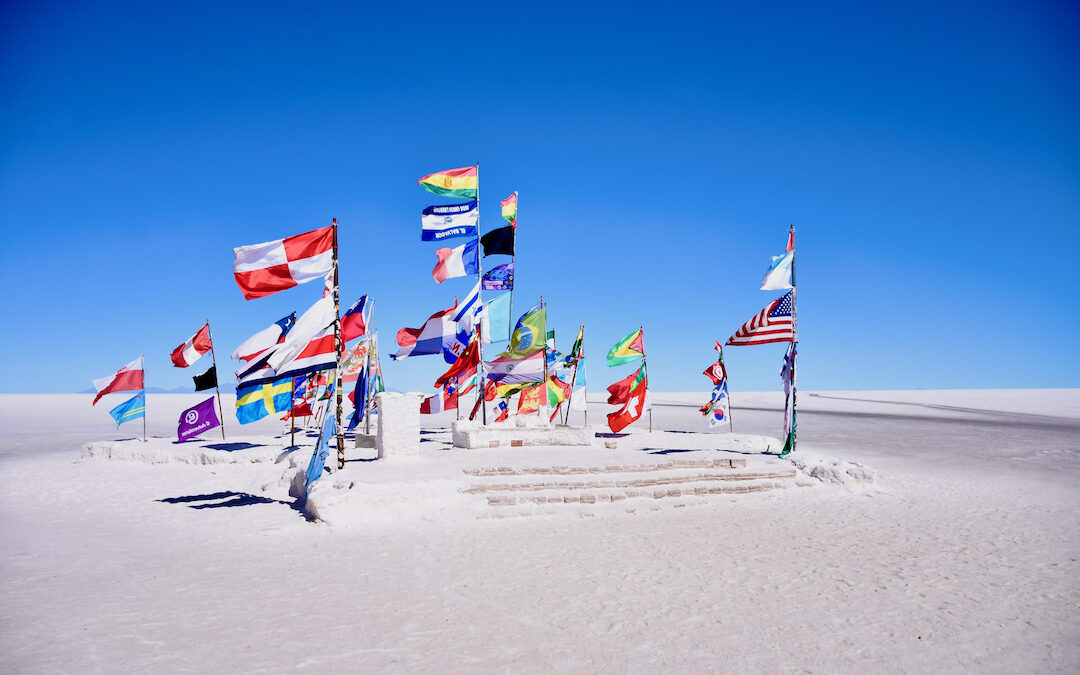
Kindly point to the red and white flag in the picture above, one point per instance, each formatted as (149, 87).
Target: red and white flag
(128, 378)
(264, 269)
(189, 352)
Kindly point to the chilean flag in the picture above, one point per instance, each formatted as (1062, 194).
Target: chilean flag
(189, 352)
(128, 378)
(264, 269)
(354, 321)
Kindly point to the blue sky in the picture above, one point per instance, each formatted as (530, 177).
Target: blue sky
(928, 154)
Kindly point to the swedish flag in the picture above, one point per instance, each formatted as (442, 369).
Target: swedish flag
(256, 401)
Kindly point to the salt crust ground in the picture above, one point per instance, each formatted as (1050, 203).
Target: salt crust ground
(961, 556)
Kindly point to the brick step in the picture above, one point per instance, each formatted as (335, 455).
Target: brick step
(626, 484)
(638, 468)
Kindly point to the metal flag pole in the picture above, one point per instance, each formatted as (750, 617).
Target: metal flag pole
(794, 342)
(513, 276)
(146, 398)
(573, 378)
(363, 405)
(720, 351)
(338, 344)
(480, 299)
(543, 341)
(217, 389)
(645, 366)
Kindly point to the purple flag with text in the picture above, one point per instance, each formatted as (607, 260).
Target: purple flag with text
(196, 420)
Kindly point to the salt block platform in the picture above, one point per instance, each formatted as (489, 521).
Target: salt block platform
(540, 490)
(518, 432)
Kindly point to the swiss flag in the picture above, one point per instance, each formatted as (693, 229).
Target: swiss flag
(632, 409)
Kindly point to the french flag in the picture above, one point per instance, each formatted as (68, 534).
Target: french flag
(264, 269)
(439, 403)
(439, 330)
(128, 378)
(457, 262)
(189, 352)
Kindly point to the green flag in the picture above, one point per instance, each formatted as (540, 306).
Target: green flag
(529, 336)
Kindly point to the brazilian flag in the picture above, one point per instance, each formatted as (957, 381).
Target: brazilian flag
(530, 334)
(256, 401)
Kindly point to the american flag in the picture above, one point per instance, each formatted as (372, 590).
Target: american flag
(772, 324)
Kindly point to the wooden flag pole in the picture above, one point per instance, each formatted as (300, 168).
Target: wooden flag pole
(338, 344)
(217, 389)
(367, 372)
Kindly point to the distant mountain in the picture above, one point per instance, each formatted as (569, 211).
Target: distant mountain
(149, 390)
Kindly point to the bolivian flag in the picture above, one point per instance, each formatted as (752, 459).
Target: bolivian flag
(452, 182)
(509, 208)
(627, 350)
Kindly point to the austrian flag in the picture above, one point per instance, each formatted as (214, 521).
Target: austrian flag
(264, 269)
(189, 352)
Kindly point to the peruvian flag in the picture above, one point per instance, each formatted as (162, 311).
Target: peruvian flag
(438, 403)
(264, 269)
(197, 345)
(634, 403)
(128, 378)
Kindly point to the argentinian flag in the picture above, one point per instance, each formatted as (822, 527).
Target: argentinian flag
(779, 275)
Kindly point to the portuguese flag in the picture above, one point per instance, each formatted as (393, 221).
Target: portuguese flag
(461, 182)
(627, 350)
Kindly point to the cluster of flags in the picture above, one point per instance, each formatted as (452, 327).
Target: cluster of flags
(774, 323)
(631, 392)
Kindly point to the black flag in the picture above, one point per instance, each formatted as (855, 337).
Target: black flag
(207, 380)
(499, 241)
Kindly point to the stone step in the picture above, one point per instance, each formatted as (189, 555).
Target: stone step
(610, 497)
(630, 483)
(635, 468)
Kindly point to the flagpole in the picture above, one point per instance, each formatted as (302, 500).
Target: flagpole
(213, 358)
(513, 266)
(543, 337)
(146, 398)
(573, 378)
(731, 424)
(644, 364)
(794, 342)
(480, 299)
(337, 351)
(367, 369)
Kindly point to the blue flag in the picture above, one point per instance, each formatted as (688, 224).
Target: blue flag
(359, 399)
(131, 409)
(322, 451)
(261, 398)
